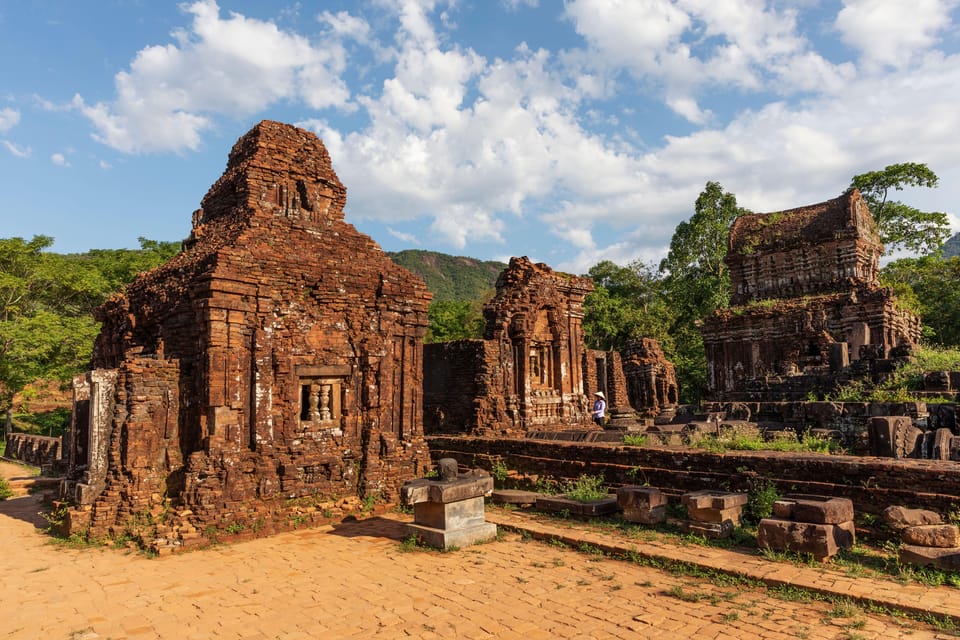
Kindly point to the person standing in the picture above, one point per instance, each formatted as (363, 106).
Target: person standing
(599, 407)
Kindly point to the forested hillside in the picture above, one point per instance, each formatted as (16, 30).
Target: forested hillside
(451, 277)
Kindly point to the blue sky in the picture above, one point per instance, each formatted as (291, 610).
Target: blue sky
(571, 132)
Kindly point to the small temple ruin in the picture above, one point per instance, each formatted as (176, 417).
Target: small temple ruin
(527, 372)
(806, 304)
(279, 355)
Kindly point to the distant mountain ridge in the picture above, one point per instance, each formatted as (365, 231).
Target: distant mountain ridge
(451, 277)
(951, 247)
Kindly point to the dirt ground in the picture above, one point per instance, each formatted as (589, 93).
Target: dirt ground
(357, 579)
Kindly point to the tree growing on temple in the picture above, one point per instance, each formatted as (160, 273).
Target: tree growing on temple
(902, 226)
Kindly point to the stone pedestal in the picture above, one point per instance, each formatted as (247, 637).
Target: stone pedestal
(448, 513)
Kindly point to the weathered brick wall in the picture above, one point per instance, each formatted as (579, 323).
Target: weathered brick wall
(603, 371)
(650, 378)
(810, 250)
(297, 345)
(872, 483)
(806, 302)
(40, 451)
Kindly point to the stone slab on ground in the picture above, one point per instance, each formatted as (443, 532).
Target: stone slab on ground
(517, 497)
(712, 499)
(558, 504)
(948, 559)
(942, 536)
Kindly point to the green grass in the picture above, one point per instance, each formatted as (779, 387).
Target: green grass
(808, 443)
(5, 490)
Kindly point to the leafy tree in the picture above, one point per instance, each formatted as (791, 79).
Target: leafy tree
(697, 281)
(454, 320)
(929, 285)
(697, 278)
(120, 266)
(40, 333)
(626, 304)
(899, 224)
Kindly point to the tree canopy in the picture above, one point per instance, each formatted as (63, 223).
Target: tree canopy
(46, 303)
(902, 226)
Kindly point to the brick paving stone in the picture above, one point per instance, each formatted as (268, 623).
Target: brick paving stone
(353, 580)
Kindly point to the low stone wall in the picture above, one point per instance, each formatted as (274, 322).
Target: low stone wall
(40, 451)
(872, 483)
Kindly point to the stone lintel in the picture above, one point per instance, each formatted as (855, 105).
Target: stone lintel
(820, 540)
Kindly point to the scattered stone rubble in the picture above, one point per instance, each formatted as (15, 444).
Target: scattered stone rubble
(817, 525)
(925, 538)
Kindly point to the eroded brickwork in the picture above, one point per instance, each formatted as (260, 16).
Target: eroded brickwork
(279, 356)
(528, 371)
(651, 379)
(806, 303)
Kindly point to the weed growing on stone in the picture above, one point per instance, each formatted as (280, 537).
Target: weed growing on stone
(634, 440)
(586, 488)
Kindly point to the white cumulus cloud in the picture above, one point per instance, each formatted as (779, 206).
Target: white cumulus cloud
(234, 65)
(8, 119)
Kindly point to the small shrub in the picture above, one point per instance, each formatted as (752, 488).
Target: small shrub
(5, 490)
(635, 440)
(761, 496)
(586, 488)
(499, 471)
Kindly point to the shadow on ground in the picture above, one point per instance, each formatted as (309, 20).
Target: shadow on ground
(376, 527)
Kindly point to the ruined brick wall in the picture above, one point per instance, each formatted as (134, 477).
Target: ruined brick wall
(298, 344)
(806, 303)
(651, 378)
(812, 250)
(872, 483)
(463, 388)
(603, 371)
(536, 317)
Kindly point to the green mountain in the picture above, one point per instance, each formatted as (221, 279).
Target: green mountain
(451, 277)
(952, 246)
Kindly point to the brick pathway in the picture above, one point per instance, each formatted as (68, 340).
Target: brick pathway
(354, 580)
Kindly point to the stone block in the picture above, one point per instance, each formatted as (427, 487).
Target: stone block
(732, 514)
(645, 515)
(450, 515)
(711, 499)
(898, 517)
(647, 497)
(783, 509)
(941, 444)
(713, 530)
(883, 431)
(820, 540)
(453, 491)
(948, 559)
(943, 536)
(453, 538)
(823, 511)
